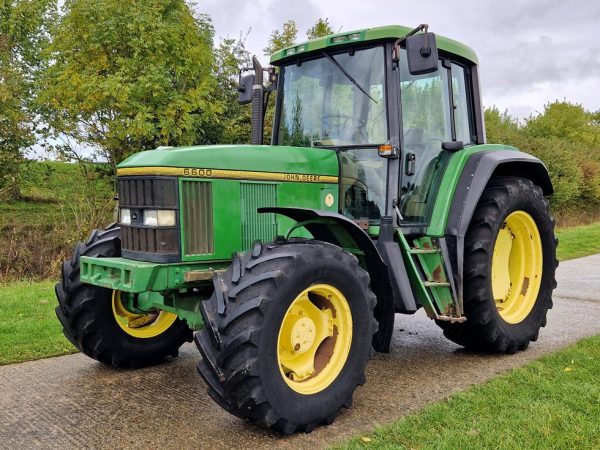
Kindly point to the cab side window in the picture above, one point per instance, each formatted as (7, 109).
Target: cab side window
(463, 111)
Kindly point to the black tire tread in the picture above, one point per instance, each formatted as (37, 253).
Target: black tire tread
(78, 303)
(484, 331)
(227, 344)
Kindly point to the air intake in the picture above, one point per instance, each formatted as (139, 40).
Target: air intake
(197, 220)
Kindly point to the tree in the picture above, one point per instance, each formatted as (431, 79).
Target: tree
(129, 76)
(565, 120)
(23, 34)
(320, 29)
(500, 128)
(283, 38)
(233, 123)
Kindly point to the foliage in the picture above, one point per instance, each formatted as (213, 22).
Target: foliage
(129, 76)
(564, 120)
(320, 29)
(233, 123)
(280, 39)
(61, 203)
(567, 138)
(23, 34)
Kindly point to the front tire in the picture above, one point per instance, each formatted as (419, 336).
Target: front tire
(95, 320)
(509, 266)
(287, 334)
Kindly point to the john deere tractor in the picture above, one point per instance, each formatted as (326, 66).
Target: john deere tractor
(378, 195)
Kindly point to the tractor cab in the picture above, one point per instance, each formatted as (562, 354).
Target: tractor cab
(393, 108)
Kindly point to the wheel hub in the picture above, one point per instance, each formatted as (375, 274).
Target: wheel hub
(303, 334)
(143, 326)
(314, 339)
(517, 267)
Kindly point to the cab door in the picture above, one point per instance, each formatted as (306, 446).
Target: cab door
(435, 109)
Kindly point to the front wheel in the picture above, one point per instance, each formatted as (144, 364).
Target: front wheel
(287, 334)
(97, 322)
(509, 266)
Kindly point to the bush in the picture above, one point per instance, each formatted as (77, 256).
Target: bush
(62, 203)
(567, 139)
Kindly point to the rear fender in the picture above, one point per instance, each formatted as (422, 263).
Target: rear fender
(478, 170)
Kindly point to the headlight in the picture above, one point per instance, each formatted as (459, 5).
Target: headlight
(166, 218)
(125, 216)
(159, 218)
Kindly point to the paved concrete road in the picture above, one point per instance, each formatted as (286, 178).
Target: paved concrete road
(75, 402)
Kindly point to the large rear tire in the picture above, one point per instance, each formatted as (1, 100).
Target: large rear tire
(95, 320)
(287, 334)
(509, 266)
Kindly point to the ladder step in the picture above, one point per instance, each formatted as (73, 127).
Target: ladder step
(435, 284)
(451, 319)
(423, 251)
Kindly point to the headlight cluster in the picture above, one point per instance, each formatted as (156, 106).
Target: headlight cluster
(151, 217)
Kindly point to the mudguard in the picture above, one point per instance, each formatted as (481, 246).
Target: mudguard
(476, 173)
(339, 230)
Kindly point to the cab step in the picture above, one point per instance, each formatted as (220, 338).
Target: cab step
(436, 284)
(423, 251)
(451, 319)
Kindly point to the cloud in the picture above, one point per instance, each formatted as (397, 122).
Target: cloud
(530, 52)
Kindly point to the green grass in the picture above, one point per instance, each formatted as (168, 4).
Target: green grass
(43, 186)
(579, 241)
(29, 328)
(553, 402)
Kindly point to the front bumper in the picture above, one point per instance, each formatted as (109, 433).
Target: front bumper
(133, 276)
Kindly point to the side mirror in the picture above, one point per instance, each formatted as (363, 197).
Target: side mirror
(422, 54)
(245, 89)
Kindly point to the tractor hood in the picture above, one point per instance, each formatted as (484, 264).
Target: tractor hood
(274, 163)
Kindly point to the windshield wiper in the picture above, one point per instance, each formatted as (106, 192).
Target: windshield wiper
(354, 82)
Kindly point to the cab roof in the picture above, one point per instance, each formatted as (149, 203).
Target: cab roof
(368, 35)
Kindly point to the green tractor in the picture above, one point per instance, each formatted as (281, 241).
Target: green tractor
(378, 195)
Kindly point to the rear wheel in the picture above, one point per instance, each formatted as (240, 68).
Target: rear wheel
(287, 334)
(510, 261)
(96, 321)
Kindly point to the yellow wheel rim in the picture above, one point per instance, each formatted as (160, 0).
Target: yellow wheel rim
(517, 267)
(314, 339)
(143, 326)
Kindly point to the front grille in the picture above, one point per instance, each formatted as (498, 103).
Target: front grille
(148, 192)
(143, 242)
(254, 225)
(196, 200)
(150, 240)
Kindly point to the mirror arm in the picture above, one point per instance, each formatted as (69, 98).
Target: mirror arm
(396, 47)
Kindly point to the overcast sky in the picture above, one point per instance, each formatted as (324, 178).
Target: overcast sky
(530, 52)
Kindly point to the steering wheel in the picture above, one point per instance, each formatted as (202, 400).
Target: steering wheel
(347, 122)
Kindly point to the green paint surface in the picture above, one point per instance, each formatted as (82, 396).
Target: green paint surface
(389, 32)
(129, 275)
(452, 174)
(259, 158)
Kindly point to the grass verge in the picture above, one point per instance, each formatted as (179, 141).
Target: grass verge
(553, 402)
(29, 328)
(580, 241)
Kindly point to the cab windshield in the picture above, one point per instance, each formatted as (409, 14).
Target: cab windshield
(335, 100)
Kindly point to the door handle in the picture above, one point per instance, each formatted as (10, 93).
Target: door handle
(409, 168)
